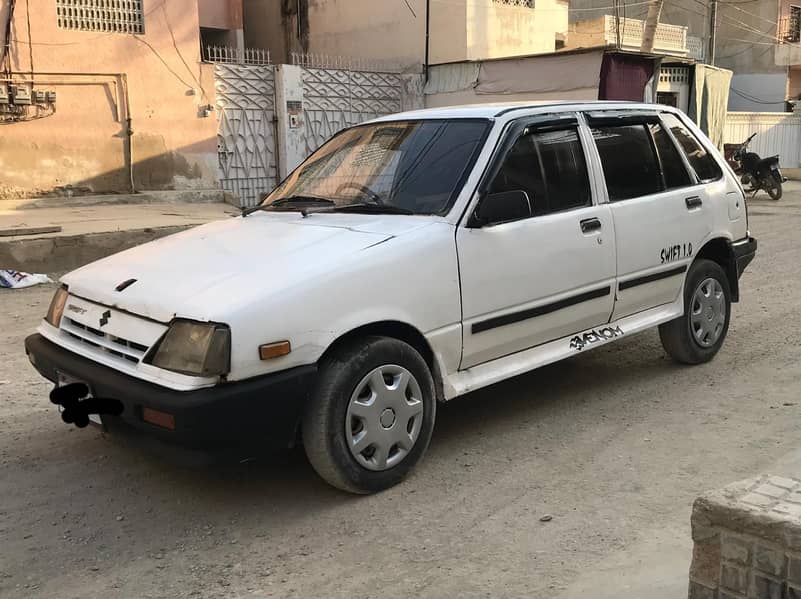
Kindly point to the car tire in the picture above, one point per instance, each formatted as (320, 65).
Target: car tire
(370, 417)
(697, 335)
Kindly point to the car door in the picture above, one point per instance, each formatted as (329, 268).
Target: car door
(536, 255)
(659, 206)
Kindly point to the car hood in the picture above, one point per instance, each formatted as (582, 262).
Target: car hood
(197, 273)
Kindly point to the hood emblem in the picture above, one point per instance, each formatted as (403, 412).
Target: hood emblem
(105, 318)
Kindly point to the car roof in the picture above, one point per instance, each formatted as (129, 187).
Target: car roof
(497, 109)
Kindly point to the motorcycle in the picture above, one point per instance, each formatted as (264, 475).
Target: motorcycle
(756, 173)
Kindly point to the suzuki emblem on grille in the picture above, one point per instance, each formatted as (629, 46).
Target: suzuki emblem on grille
(105, 318)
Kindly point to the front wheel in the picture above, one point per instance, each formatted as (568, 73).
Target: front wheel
(371, 415)
(697, 335)
(773, 187)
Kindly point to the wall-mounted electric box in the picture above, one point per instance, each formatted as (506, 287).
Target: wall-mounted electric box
(51, 97)
(21, 95)
(39, 96)
(3, 94)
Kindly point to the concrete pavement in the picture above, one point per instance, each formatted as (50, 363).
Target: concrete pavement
(90, 231)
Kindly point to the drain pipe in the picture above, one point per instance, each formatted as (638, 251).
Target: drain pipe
(428, 35)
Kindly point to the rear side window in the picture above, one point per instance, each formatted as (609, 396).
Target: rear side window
(630, 165)
(550, 167)
(705, 166)
(673, 169)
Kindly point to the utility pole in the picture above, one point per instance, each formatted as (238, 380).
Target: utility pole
(651, 22)
(713, 26)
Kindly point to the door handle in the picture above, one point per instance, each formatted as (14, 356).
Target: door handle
(693, 202)
(589, 225)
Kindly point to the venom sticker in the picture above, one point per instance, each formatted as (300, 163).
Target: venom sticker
(676, 252)
(579, 342)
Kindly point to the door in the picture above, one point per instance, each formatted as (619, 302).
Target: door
(659, 203)
(537, 257)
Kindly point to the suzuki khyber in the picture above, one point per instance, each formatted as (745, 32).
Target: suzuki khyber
(407, 261)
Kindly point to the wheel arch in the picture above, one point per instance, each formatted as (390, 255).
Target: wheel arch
(401, 331)
(719, 250)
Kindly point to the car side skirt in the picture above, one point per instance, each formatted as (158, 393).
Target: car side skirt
(489, 373)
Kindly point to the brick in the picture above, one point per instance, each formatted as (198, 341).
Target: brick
(734, 578)
(758, 500)
(705, 567)
(794, 574)
(699, 591)
(784, 483)
(768, 560)
(767, 588)
(770, 490)
(788, 509)
(735, 549)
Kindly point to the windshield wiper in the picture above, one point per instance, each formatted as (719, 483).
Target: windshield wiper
(289, 201)
(370, 208)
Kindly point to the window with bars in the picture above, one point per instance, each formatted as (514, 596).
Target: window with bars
(107, 16)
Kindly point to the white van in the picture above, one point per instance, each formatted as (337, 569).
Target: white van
(407, 261)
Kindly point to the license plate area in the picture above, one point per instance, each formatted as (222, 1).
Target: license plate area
(65, 379)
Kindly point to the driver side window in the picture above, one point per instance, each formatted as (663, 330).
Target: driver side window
(550, 167)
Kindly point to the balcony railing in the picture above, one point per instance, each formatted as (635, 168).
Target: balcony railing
(518, 3)
(226, 54)
(671, 39)
(789, 31)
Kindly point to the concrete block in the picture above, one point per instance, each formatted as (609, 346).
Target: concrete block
(770, 561)
(733, 578)
(794, 570)
(735, 549)
(767, 588)
(699, 591)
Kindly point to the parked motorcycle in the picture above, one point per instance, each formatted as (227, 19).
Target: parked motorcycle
(755, 173)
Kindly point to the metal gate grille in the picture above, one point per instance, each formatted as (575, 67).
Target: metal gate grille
(246, 131)
(335, 99)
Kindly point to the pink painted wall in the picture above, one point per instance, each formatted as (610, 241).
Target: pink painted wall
(84, 143)
(220, 14)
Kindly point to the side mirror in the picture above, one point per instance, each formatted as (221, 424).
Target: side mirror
(501, 207)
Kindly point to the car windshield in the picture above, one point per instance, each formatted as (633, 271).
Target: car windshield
(401, 167)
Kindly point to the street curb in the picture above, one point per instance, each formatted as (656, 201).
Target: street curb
(65, 253)
(186, 196)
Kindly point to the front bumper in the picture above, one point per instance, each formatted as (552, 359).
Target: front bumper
(744, 252)
(262, 412)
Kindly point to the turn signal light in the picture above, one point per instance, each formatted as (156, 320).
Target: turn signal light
(157, 418)
(274, 350)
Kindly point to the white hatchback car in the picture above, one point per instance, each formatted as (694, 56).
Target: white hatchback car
(407, 261)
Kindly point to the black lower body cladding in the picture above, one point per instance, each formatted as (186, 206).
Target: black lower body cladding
(744, 252)
(260, 412)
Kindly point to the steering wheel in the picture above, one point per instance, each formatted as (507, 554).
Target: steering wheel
(363, 188)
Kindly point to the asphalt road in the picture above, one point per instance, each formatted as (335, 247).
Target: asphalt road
(614, 444)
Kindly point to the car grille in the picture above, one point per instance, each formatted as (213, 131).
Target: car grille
(117, 346)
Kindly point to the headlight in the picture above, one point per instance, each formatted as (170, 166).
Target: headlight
(194, 348)
(57, 304)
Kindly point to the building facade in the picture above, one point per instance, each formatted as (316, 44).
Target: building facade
(758, 41)
(406, 34)
(108, 97)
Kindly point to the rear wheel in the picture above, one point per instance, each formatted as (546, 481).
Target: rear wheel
(370, 418)
(773, 187)
(697, 335)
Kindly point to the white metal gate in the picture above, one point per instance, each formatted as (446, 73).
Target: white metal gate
(777, 133)
(335, 99)
(246, 133)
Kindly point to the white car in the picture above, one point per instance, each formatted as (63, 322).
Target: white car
(407, 261)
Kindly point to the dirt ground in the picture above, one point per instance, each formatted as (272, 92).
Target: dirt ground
(614, 444)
